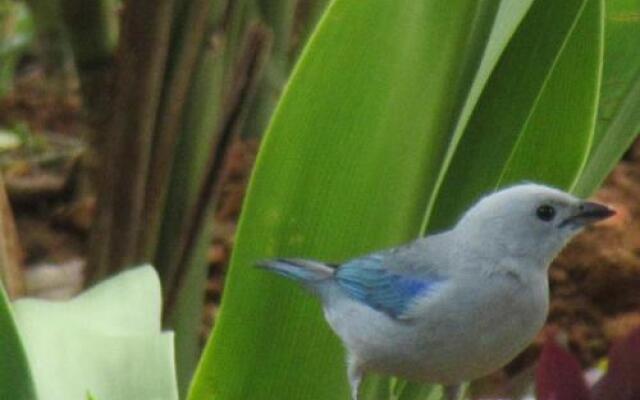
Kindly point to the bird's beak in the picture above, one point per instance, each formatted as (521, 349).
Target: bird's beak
(588, 213)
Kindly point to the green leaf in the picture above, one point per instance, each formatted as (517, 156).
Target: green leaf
(186, 316)
(493, 149)
(618, 117)
(15, 375)
(376, 387)
(347, 166)
(199, 131)
(509, 16)
(415, 391)
(555, 141)
(555, 133)
(106, 342)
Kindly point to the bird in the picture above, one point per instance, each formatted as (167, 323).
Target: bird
(452, 306)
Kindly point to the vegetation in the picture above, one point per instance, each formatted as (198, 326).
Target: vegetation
(395, 118)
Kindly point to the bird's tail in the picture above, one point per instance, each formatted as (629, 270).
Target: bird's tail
(305, 271)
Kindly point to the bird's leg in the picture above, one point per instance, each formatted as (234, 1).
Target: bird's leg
(354, 371)
(452, 392)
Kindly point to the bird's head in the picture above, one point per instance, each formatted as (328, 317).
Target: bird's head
(530, 219)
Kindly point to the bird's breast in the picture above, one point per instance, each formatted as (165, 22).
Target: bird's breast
(467, 331)
(496, 318)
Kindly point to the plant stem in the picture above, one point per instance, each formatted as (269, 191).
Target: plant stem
(278, 16)
(175, 92)
(140, 66)
(248, 71)
(201, 115)
(10, 251)
(92, 30)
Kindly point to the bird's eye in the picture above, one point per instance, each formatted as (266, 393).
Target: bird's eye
(545, 212)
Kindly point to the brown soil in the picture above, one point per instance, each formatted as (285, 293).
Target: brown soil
(46, 228)
(41, 106)
(595, 282)
(240, 162)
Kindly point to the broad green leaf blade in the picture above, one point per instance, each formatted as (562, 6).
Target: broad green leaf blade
(619, 108)
(621, 61)
(347, 167)
(505, 107)
(15, 374)
(509, 16)
(106, 342)
(555, 142)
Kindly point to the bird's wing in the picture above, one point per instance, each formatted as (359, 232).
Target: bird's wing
(391, 291)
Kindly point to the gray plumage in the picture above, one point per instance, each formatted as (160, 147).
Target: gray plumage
(453, 306)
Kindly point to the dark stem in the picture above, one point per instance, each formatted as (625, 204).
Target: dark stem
(140, 66)
(169, 122)
(248, 70)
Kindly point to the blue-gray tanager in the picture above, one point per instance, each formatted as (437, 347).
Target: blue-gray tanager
(453, 306)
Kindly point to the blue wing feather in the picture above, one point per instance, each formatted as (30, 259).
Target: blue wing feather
(367, 280)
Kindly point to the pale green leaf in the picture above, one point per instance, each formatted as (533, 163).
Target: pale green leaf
(8, 140)
(106, 342)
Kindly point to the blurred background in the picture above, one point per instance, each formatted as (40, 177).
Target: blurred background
(128, 134)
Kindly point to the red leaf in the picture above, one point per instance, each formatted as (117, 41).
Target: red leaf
(559, 375)
(622, 380)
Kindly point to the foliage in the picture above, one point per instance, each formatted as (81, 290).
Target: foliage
(390, 120)
(397, 116)
(15, 375)
(617, 123)
(559, 376)
(112, 330)
(342, 155)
